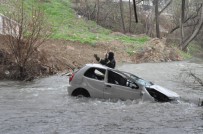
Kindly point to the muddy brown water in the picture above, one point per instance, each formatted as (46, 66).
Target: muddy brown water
(44, 107)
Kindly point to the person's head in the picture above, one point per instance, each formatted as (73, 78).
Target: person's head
(110, 55)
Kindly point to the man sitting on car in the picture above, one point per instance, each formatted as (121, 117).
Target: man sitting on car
(108, 61)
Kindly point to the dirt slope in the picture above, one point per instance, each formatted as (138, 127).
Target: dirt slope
(61, 56)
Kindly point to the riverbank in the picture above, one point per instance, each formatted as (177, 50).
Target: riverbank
(55, 56)
(67, 52)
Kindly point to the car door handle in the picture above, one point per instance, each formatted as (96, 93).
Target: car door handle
(108, 85)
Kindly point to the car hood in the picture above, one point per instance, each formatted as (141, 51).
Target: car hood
(165, 91)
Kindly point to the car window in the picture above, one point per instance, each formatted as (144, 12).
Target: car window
(95, 73)
(115, 78)
(139, 80)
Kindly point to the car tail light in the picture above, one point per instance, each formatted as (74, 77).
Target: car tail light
(71, 77)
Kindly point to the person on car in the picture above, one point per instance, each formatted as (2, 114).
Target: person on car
(108, 61)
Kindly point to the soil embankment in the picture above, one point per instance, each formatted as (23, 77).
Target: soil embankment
(60, 55)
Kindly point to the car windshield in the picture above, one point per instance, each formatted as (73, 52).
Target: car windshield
(139, 80)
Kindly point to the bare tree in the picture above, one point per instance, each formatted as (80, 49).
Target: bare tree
(158, 13)
(199, 24)
(130, 15)
(28, 33)
(122, 17)
(182, 21)
(98, 10)
(191, 20)
(135, 11)
(156, 3)
(116, 15)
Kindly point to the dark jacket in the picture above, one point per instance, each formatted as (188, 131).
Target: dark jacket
(108, 61)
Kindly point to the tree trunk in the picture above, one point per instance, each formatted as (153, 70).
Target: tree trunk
(122, 18)
(182, 22)
(22, 73)
(130, 17)
(98, 10)
(135, 11)
(156, 2)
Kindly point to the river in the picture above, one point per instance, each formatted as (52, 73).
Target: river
(44, 106)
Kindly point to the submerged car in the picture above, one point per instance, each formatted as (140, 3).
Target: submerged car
(98, 81)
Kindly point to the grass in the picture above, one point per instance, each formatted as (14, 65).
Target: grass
(195, 48)
(67, 26)
(184, 54)
(130, 40)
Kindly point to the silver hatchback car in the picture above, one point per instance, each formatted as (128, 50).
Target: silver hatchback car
(98, 81)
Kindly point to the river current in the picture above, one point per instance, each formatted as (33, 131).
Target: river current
(44, 106)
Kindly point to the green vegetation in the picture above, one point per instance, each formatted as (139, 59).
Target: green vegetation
(194, 48)
(66, 25)
(184, 54)
(131, 40)
(134, 43)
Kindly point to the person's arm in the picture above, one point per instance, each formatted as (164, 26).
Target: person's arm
(96, 57)
(102, 61)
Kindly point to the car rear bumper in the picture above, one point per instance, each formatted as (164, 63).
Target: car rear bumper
(70, 89)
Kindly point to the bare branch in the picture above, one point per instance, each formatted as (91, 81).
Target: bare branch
(137, 2)
(196, 31)
(27, 35)
(193, 16)
(165, 6)
(196, 78)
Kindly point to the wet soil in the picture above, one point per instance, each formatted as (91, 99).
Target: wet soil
(73, 54)
(55, 56)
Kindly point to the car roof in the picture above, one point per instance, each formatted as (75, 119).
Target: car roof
(105, 67)
(97, 65)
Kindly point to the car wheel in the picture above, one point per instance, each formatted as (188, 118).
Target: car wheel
(81, 93)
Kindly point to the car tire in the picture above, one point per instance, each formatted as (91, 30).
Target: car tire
(81, 93)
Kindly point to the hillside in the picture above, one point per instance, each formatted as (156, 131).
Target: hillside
(68, 25)
(75, 40)
(81, 38)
